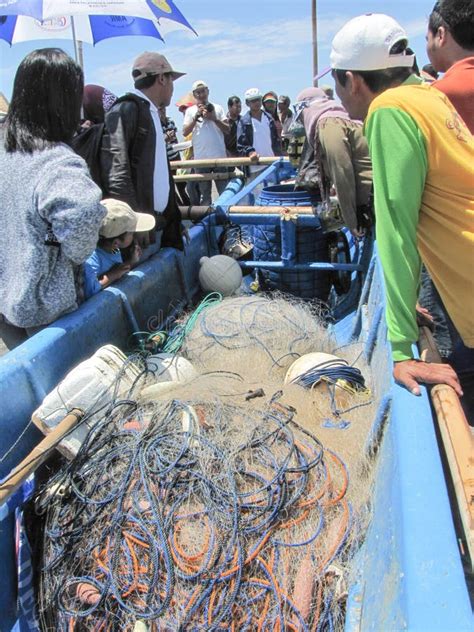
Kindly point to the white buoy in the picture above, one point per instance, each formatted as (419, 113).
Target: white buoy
(320, 361)
(220, 274)
(168, 367)
(170, 371)
(310, 361)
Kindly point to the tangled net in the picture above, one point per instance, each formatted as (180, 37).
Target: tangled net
(205, 509)
(196, 516)
(275, 331)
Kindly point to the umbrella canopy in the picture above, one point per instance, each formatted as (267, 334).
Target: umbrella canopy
(90, 29)
(44, 9)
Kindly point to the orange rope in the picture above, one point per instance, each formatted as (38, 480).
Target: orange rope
(250, 558)
(266, 606)
(339, 538)
(185, 556)
(345, 481)
(317, 614)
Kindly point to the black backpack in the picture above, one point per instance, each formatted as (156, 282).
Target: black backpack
(87, 143)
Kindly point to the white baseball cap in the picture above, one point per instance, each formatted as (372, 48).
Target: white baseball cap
(364, 43)
(121, 219)
(252, 94)
(199, 84)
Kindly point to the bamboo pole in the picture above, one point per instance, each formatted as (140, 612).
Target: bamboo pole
(457, 438)
(272, 210)
(201, 177)
(224, 162)
(198, 212)
(38, 455)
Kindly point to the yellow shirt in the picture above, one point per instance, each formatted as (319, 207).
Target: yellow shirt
(423, 162)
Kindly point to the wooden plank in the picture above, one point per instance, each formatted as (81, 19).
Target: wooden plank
(272, 210)
(458, 440)
(225, 162)
(38, 455)
(200, 177)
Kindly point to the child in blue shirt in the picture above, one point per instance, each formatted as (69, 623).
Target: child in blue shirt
(105, 265)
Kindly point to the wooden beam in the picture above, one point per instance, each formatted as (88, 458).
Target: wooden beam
(38, 455)
(225, 162)
(201, 177)
(458, 440)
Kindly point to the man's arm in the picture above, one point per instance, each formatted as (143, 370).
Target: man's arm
(221, 121)
(400, 164)
(120, 127)
(217, 116)
(70, 202)
(190, 120)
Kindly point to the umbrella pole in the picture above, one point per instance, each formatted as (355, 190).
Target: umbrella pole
(74, 39)
(314, 22)
(80, 51)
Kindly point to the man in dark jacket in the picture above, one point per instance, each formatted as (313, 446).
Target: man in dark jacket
(134, 163)
(257, 134)
(234, 106)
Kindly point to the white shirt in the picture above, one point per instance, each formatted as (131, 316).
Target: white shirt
(161, 183)
(262, 140)
(208, 140)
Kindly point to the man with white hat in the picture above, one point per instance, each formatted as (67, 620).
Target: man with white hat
(422, 168)
(257, 133)
(207, 123)
(134, 162)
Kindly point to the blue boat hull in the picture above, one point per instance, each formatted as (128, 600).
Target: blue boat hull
(410, 574)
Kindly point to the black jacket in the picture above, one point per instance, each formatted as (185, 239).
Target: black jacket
(127, 161)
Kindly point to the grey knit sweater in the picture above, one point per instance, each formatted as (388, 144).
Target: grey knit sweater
(50, 214)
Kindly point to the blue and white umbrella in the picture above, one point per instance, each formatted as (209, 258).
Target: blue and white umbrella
(86, 21)
(90, 29)
(44, 9)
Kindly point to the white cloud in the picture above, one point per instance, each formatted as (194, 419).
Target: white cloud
(224, 46)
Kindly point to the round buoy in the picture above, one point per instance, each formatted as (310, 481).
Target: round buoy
(309, 372)
(317, 361)
(168, 367)
(220, 274)
(169, 370)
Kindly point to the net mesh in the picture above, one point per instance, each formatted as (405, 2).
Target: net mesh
(231, 502)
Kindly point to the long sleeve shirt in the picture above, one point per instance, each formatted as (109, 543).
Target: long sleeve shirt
(51, 216)
(423, 168)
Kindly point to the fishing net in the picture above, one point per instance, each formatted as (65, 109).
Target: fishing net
(259, 334)
(231, 502)
(195, 517)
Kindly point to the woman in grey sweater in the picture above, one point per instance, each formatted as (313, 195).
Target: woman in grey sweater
(51, 211)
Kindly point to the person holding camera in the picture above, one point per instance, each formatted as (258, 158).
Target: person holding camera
(207, 123)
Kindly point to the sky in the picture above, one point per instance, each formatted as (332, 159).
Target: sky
(241, 44)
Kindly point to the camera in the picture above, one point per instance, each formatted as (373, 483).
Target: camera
(208, 107)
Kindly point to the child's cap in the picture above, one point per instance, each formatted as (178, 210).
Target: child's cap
(121, 218)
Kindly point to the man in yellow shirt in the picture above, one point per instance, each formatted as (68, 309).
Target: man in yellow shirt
(422, 156)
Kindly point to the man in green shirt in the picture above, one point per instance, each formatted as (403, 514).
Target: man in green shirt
(421, 154)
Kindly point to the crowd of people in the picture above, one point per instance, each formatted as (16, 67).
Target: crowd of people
(397, 150)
